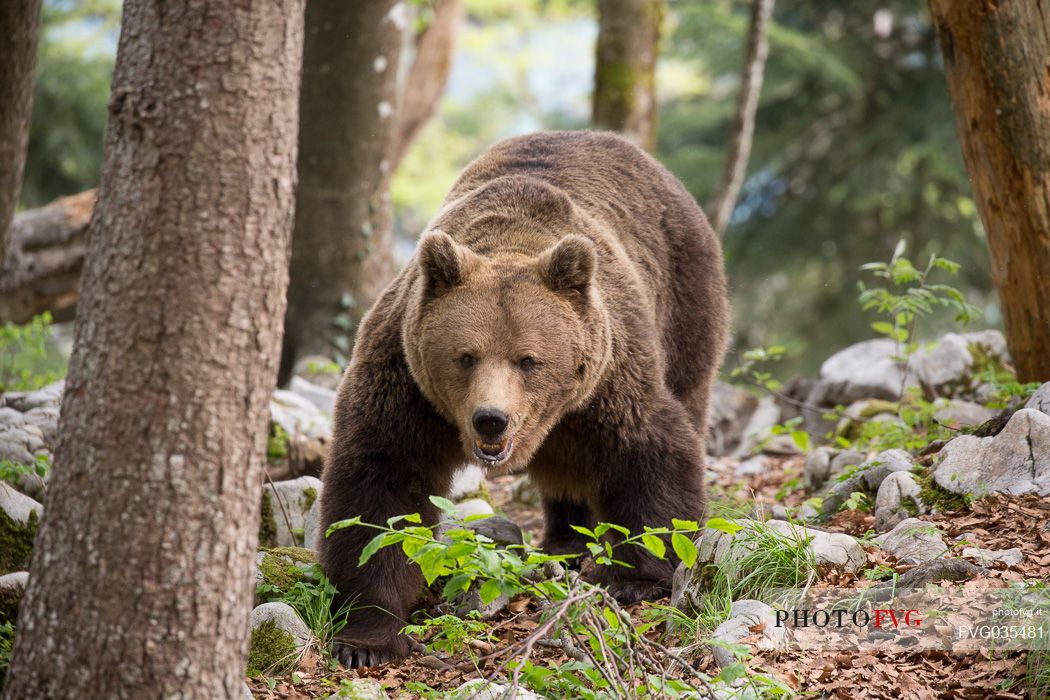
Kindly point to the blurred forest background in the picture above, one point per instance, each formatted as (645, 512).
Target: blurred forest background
(855, 146)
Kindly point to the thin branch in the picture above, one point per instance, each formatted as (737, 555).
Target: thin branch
(743, 129)
(426, 79)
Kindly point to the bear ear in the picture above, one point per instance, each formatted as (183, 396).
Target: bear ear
(568, 266)
(442, 261)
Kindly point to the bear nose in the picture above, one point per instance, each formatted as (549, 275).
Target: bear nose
(489, 422)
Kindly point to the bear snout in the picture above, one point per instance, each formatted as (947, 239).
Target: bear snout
(490, 423)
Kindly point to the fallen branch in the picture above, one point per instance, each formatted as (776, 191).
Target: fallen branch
(46, 254)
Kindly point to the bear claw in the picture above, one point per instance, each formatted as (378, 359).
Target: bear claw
(353, 655)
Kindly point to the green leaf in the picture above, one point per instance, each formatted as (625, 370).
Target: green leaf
(457, 583)
(685, 548)
(602, 528)
(685, 525)
(655, 545)
(490, 590)
(733, 672)
(342, 524)
(444, 504)
(490, 562)
(371, 548)
(723, 525)
(584, 531)
(801, 439)
(883, 327)
(948, 265)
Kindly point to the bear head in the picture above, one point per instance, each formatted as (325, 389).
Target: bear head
(504, 345)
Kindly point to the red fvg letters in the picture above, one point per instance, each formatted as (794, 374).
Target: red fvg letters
(906, 617)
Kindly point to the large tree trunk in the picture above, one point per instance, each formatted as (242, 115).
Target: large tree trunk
(625, 69)
(742, 131)
(141, 580)
(19, 33)
(44, 260)
(435, 49)
(997, 61)
(342, 248)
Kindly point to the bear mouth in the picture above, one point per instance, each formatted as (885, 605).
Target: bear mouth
(493, 453)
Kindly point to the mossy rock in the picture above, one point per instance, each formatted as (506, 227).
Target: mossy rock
(937, 497)
(851, 424)
(272, 651)
(481, 492)
(283, 567)
(309, 496)
(16, 542)
(267, 522)
(9, 598)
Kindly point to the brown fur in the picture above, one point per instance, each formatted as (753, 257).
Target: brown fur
(581, 253)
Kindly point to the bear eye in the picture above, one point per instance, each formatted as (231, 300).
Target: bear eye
(527, 364)
(466, 360)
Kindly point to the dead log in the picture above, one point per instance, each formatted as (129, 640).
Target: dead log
(44, 259)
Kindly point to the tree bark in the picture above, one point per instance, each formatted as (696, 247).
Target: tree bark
(141, 580)
(435, 49)
(342, 248)
(625, 68)
(44, 260)
(19, 34)
(998, 70)
(742, 131)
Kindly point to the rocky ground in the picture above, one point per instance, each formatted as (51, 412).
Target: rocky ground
(951, 484)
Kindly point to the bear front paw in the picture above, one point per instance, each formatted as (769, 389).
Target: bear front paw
(356, 654)
(628, 592)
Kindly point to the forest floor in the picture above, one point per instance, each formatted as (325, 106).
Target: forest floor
(995, 522)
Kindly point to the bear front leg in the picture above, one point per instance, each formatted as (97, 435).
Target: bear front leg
(390, 451)
(383, 591)
(650, 478)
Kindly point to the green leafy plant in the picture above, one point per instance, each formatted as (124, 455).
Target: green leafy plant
(12, 472)
(910, 296)
(312, 600)
(468, 558)
(598, 635)
(879, 572)
(760, 562)
(916, 426)
(791, 427)
(449, 634)
(752, 370)
(277, 443)
(24, 355)
(1006, 387)
(857, 501)
(7, 638)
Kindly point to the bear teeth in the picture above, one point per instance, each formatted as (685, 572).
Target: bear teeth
(491, 449)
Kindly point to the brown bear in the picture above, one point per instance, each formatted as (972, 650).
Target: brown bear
(565, 312)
